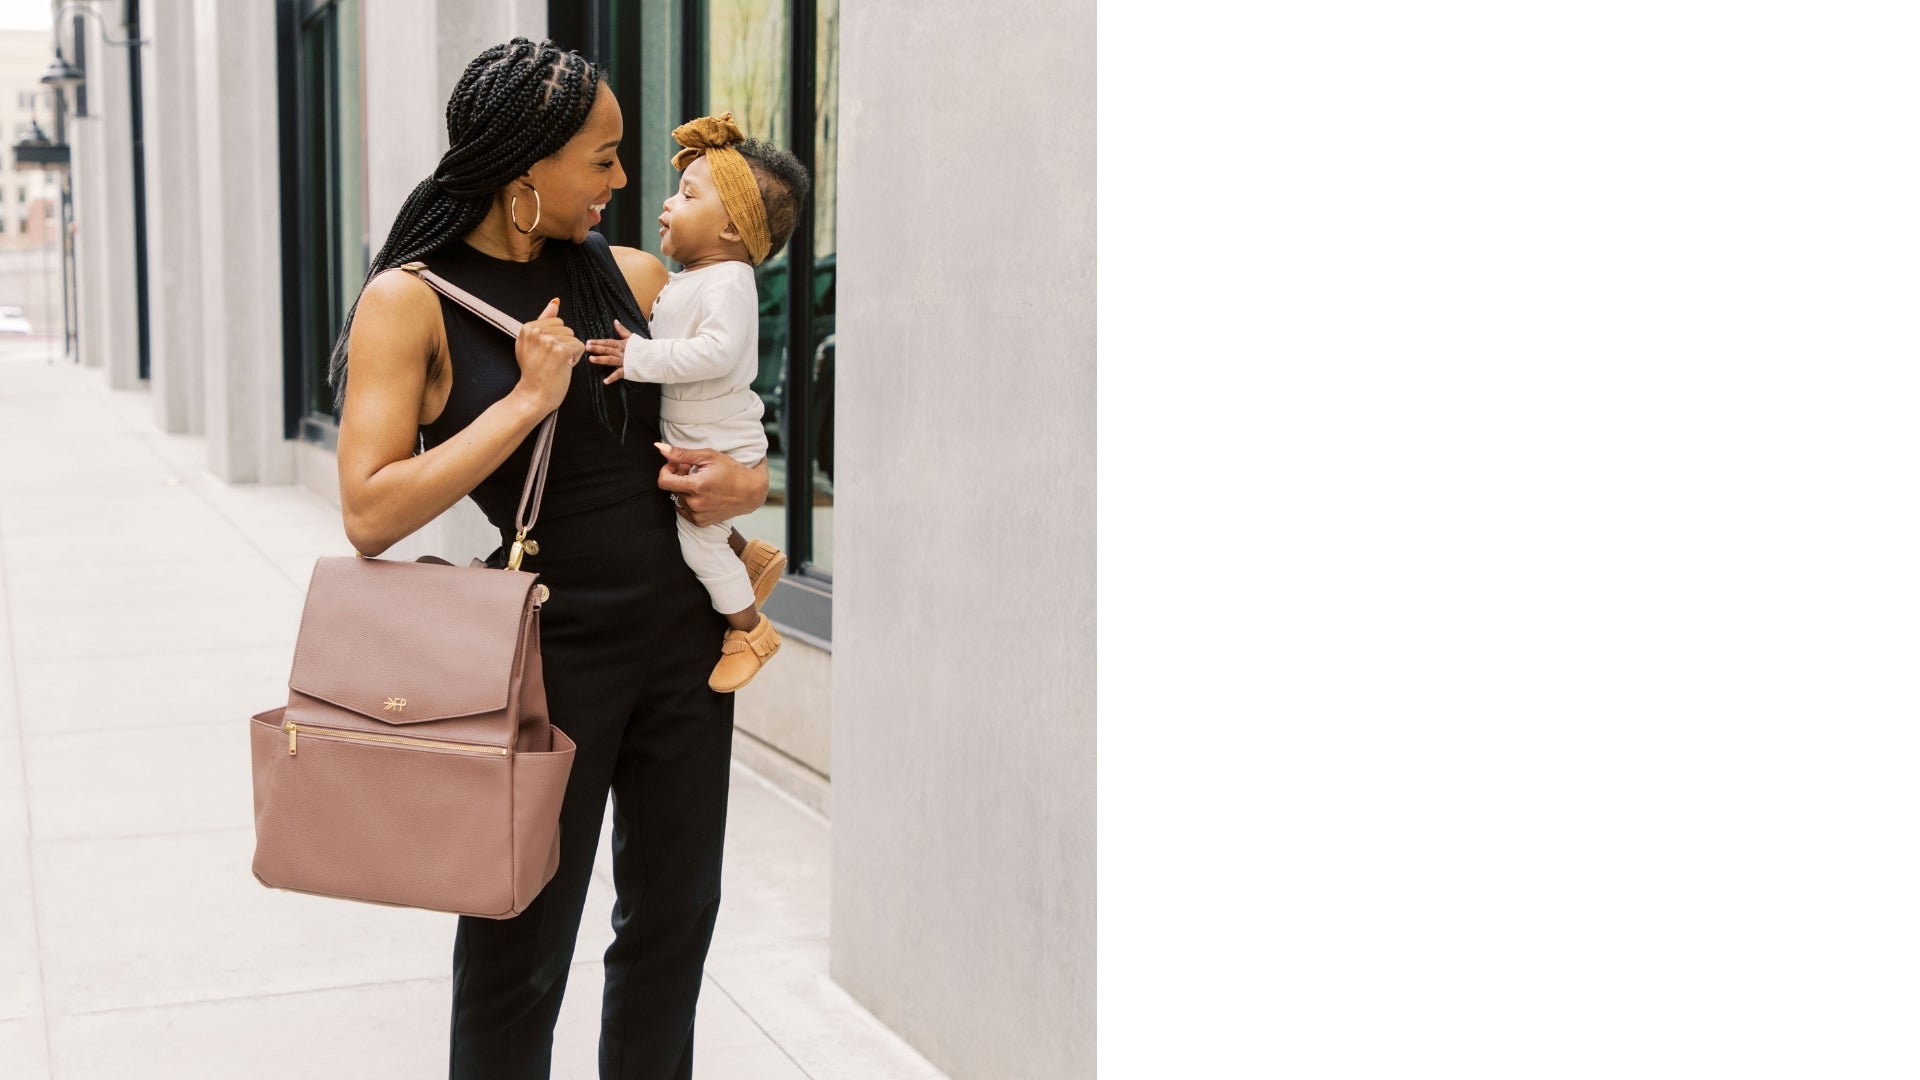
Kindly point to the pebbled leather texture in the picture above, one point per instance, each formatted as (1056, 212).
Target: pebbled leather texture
(444, 639)
(471, 827)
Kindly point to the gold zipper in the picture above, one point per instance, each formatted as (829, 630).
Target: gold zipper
(293, 740)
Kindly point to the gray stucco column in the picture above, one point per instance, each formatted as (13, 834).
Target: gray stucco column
(110, 194)
(964, 585)
(240, 274)
(173, 220)
(102, 205)
(91, 226)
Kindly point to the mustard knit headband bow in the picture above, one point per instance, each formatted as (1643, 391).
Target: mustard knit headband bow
(715, 137)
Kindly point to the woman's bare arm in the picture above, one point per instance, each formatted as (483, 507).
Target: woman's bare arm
(645, 276)
(386, 490)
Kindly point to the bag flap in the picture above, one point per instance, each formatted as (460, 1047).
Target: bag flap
(408, 642)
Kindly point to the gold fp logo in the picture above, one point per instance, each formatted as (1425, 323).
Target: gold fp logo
(396, 704)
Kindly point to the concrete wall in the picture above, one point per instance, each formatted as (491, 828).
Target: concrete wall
(963, 668)
(110, 89)
(414, 55)
(235, 75)
(89, 236)
(95, 225)
(103, 203)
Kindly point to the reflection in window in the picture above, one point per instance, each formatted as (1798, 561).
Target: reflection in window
(747, 75)
(747, 65)
(750, 55)
(332, 211)
(826, 134)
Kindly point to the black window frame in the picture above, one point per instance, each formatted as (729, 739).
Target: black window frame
(313, 300)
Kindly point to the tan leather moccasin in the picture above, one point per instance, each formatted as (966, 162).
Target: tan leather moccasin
(765, 565)
(742, 654)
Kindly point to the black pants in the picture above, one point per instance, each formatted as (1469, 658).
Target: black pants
(628, 639)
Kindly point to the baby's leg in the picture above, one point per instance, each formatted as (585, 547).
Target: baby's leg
(751, 637)
(712, 558)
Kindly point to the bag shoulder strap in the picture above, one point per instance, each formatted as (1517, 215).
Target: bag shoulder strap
(536, 483)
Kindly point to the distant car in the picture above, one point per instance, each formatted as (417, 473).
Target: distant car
(14, 321)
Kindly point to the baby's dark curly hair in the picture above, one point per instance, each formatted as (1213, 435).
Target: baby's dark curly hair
(784, 188)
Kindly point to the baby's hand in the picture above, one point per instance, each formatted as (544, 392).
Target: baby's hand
(611, 352)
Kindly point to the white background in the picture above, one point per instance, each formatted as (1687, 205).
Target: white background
(1508, 540)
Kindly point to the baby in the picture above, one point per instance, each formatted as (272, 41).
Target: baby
(737, 205)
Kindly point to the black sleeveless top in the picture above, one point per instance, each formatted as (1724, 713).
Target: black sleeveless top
(592, 467)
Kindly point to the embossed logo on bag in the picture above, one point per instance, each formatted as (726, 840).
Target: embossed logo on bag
(396, 704)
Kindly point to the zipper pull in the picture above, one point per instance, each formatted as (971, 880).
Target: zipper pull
(293, 737)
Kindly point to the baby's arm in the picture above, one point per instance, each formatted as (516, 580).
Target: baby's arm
(711, 351)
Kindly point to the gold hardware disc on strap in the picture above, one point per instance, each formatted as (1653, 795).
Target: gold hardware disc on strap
(540, 594)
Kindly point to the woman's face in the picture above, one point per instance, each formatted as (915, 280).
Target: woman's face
(578, 179)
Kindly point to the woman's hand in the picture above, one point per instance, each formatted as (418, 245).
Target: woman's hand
(611, 352)
(711, 486)
(546, 351)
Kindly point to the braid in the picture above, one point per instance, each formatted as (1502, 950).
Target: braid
(515, 104)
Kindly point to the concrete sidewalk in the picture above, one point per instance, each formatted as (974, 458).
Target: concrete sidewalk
(149, 609)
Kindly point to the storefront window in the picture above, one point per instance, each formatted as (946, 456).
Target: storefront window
(775, 65)
(826, 157)
(748, 75)
(326, 194)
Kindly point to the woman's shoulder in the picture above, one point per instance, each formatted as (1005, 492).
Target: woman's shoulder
(644, 272)
(637, 263)
(396, 291)
(397, 314)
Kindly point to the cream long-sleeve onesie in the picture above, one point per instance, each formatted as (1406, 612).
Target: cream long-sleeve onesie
(704, 353)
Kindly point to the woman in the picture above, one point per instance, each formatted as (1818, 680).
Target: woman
(436, 406)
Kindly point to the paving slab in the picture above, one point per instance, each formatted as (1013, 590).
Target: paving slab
(763, 1061)
(776, 878)
(162, 920)
(389, 1031)
(32, 554)
(99, 784)
(23, 1049)
(97, 589)
(135, 630)
(13, 792)
(19, 936)
(156, 689)
(787, 992)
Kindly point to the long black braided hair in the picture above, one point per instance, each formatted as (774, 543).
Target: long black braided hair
(516, 104)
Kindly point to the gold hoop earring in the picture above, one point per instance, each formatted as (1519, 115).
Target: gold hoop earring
(513, 212)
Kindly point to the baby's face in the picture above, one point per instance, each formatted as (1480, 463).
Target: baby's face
(693, 221)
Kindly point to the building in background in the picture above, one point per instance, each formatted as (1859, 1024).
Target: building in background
(935, 696)
(30, 267)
